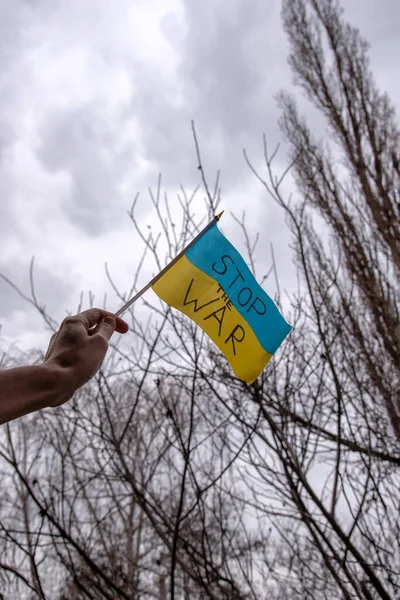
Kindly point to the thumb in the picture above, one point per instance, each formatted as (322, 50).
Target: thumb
(106, 327)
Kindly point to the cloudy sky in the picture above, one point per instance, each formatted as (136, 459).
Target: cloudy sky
(96, 99)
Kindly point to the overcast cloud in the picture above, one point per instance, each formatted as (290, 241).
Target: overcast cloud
(96, 98)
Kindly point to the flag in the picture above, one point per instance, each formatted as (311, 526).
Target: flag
(212, 285)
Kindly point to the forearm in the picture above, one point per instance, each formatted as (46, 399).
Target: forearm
(74, 356)
(26, 389)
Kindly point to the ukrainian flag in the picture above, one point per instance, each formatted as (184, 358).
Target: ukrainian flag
(213, 286)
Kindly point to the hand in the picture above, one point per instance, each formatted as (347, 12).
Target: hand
(77, 350)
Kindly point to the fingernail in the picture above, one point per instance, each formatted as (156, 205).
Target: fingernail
(110, 321)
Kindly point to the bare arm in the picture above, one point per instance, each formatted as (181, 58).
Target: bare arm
(75, 354)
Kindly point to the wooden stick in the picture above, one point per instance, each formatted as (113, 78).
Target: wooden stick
(169, 265)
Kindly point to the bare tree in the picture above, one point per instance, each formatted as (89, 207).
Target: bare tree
(352, 183)
(167, 476)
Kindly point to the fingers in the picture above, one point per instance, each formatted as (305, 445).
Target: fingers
(108, 325)
(92, 317)
(122, 326)
(89, 318)
(81, 343)
(105, 328)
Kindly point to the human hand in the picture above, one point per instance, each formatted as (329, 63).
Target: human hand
(77, 350)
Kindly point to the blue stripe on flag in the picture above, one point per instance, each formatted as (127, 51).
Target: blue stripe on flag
(216, 256)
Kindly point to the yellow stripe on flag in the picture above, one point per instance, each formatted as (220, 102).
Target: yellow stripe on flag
(200, 297)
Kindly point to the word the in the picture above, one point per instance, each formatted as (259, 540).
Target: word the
(237, 334)
(245, 296)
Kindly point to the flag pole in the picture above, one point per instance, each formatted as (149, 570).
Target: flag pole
(169, 265)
